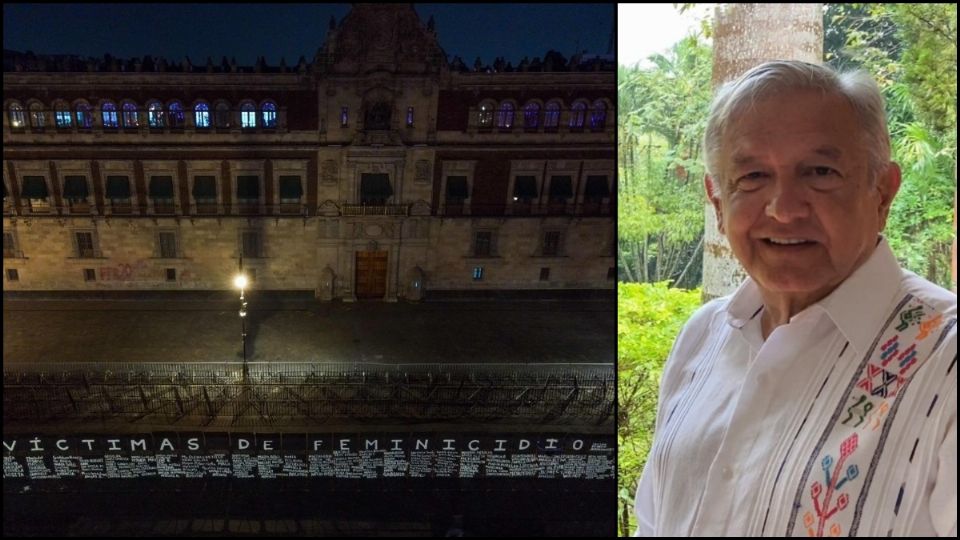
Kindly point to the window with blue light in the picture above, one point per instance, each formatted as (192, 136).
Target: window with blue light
(344, 116)
(409, 116)
(155, 115)
(108, 113)
(531, 115)
(269, 115)
(38, 117)
(131, 118)
(505, 115)
(84, 116)
(598, 117)
(248, 115)
(62, 116)
(551, 117)
(201, 115)
(176, 114)
(578, 114)
(477, 273)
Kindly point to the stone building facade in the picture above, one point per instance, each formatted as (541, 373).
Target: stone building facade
(378, 170)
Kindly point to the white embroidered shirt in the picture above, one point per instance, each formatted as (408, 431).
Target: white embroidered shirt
(842, 422)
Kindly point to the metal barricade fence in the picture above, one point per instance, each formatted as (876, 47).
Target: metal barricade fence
(303, 393)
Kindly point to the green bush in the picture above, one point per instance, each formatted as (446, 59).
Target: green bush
(650, 316)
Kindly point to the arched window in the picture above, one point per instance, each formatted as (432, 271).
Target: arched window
(531, 115)
(38, 118)
(108, 113)
(175, 114)
(84, 115)
(551, 117)
(201, 115)
(598, 117)
(131, 118)
(578, 114)
(155, 115)
(485, 116)
(268, 115)
(505, 115)
(248, 115)
(16, 116)
(222, 118)
(61, 113)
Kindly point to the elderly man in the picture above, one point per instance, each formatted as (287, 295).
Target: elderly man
(821, 397)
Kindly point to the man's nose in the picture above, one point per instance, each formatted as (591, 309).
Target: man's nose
(788, 201)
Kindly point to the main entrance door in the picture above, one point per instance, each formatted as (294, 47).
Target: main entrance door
(371, 278)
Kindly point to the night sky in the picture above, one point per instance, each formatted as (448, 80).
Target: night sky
(245, 31)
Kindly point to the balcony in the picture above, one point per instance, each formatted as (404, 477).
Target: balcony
(39, 206)
(206, 207)
(121, 206)
(375, 210)
(164, 206)
(79, 206)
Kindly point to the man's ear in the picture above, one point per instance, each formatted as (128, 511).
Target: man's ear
(713, 193)
(888, 183)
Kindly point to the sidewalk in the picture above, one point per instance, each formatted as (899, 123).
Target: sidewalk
(203, 327)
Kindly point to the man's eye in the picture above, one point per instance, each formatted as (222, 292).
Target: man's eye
(751, 181)
(824, 171)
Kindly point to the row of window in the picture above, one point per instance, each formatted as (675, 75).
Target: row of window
(375, 190)
(503, 115)
(483, 245)
(85, 245)
(156, 113)
(161, 193)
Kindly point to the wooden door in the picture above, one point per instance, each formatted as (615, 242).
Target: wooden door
(371, 278)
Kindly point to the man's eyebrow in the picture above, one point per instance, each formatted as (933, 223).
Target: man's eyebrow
(743, 159)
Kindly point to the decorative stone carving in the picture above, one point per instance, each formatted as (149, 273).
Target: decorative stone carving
(378, 116)
(420, 208)
(328, 208)
(328, 174)
(422, 172)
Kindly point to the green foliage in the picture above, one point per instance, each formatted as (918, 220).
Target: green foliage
(663, 111)
(912, 50)
(650, 316)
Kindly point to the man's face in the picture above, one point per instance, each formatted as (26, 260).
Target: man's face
(794, 197)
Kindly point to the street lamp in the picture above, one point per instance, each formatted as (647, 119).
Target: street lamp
(240, 282)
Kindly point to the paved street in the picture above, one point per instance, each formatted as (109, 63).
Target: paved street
(205, 327)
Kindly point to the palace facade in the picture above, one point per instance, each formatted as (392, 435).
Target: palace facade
(377, 170)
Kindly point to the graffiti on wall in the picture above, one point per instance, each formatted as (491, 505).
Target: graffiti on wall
(124, 272)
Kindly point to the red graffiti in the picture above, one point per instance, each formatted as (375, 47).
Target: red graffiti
(122, 272)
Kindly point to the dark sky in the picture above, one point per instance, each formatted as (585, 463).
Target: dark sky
(246, 31)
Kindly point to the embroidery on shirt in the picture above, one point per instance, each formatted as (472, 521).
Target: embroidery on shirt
(862, 420)
(833, 483)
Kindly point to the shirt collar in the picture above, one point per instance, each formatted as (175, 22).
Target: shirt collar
(857, 307)
(744, 304)
(860, 305)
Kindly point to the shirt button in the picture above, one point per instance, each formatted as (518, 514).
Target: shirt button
(726, 472)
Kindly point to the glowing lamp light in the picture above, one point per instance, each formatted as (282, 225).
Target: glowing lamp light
(240, 281)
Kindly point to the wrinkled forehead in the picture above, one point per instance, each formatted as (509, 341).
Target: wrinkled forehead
(829, 115)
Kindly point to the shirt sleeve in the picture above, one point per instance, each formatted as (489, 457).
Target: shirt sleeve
(643, 506)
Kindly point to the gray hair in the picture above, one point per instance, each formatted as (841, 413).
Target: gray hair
(859, 89)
